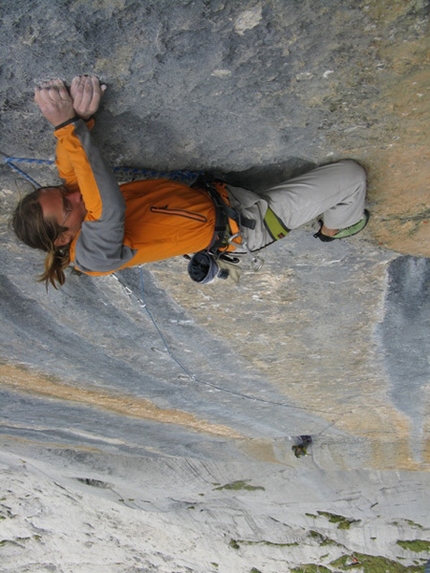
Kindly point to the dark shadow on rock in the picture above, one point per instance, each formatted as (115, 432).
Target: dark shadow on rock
(404, 336)
(261, 177)
(137, 141)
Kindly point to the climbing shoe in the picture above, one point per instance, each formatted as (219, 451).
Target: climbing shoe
(347, 232)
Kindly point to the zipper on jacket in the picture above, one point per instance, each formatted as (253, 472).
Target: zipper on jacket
(179, 213)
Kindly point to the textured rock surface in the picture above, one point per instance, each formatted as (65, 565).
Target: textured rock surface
(232, 85)
(157, 409)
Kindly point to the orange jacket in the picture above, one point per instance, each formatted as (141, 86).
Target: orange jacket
(134, 223)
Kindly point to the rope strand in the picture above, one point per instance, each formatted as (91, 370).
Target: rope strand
(193, 377)
(174, 175)
(178, 175)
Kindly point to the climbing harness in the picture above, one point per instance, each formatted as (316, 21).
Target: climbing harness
(227, 226)
(217, 261)
(206, 265)
(211, 263)
(228, 220)
(275, 225)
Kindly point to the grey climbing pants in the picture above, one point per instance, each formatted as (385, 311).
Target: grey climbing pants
(335, 191)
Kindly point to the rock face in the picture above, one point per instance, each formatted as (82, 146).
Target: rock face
(162, 406)
(230, 85)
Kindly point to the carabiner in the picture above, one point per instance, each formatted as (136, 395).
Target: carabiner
(256, 261)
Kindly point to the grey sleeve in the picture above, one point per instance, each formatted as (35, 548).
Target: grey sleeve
(100, 245)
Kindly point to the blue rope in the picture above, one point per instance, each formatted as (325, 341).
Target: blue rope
(179, 175)
(175, 175)
(28, 160)
(23, 174)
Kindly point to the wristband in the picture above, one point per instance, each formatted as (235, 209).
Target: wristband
(68, 122)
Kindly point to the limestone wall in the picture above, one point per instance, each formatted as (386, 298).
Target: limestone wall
(158, 422)
(233, 85)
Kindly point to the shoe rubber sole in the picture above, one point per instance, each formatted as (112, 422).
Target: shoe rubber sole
(347, 232)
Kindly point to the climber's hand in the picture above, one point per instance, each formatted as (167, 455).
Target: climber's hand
(54, 102)
(86, 93)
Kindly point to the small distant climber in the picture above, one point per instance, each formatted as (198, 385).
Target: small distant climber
(301, 444)
(100, 227)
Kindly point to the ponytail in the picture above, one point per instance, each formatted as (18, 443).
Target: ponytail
(39, 233)
(56, 261)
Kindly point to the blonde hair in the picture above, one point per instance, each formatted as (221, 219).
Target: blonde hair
(38, 233)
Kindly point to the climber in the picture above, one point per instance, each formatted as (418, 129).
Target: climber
(100, 227)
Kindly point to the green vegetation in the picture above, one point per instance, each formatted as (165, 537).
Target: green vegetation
(342, 522)
(322, 539)
(361, 564)
(16, 541)
(417, 545)
(240, 485)
(410, 522)
(372, 564)
(310, 568)
(270, 543)
(5, 512)
(236, 543)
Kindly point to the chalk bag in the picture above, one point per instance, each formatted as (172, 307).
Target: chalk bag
(203, 268)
